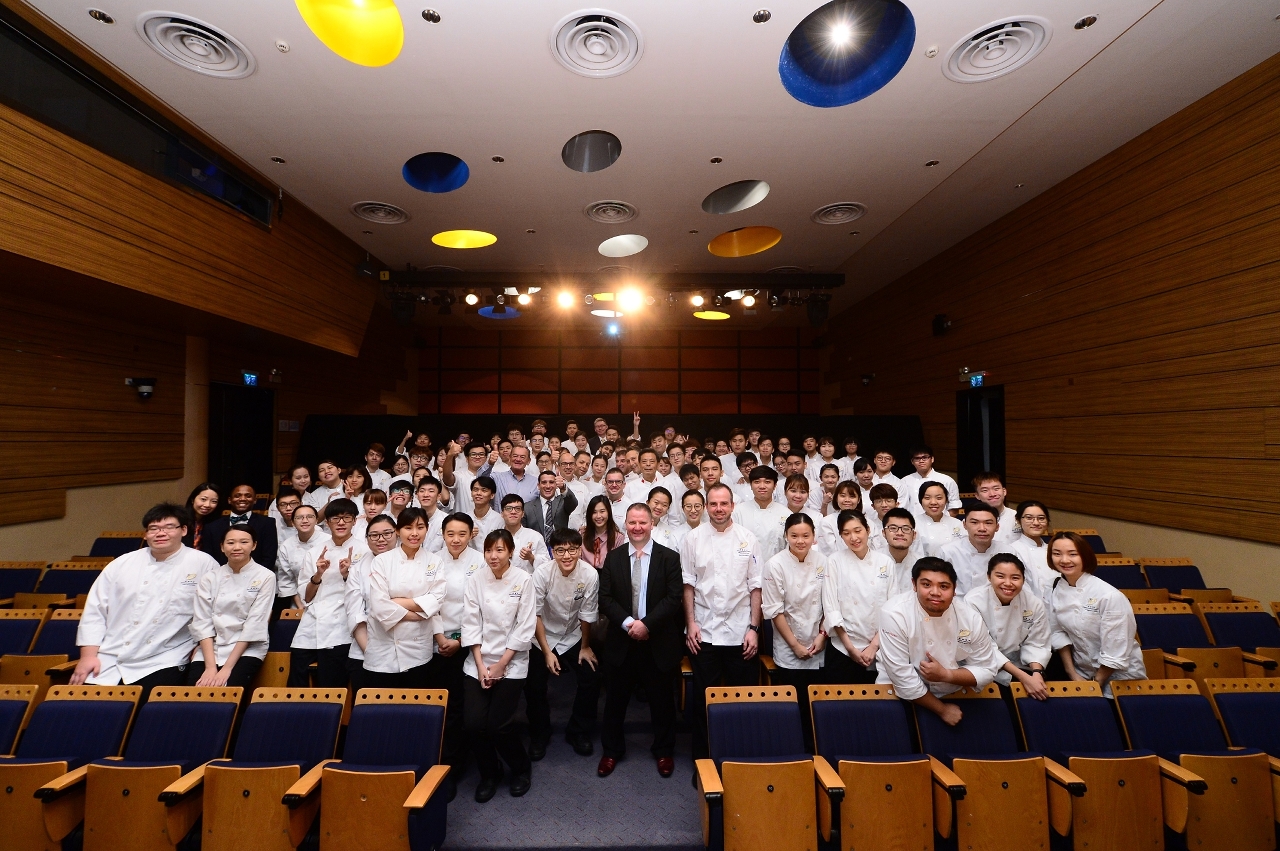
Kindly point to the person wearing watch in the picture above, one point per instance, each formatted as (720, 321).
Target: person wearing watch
(323, 635)
(1018, 622)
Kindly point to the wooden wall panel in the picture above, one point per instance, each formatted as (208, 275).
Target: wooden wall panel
(1133, 320)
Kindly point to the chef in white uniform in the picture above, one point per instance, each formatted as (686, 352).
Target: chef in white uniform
(1018, 622)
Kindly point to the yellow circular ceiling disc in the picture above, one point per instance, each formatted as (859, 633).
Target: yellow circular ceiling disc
(711, 314)
(602, 296)
(464, 239)
(744, 241)
(366, 32)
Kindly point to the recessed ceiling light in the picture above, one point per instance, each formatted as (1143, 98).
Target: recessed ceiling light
(742, 242)
(282, 45)
(717, 160)
(1019, 185)
(713, 315)
(367, 232)
(693, 231)
(363, 32)
(606, 314)
(846, 50)
(525, 299)
(464, 239)
(278, 160)
(630, 299)
(623, 245)
(499, 159)
(931, 52)
(762, 16)
(930, 163)
(591, 151)
(565, 299)
(748, 301)
(1089, 20)
(101, 16)
(431, 16)
(697, 300)
(854, 232)
(472, 299)
(435, 171)
(735, 197)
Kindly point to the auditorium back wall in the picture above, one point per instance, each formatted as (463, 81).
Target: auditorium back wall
(1132, 315)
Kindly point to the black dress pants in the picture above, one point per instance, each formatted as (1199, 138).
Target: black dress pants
(242, 674)
(489, 714)
(331, 667)
(839, 670)
(445, 672)
(582, 721)
(638, 668)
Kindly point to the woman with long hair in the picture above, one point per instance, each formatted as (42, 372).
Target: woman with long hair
(205, 503)
(601, 533)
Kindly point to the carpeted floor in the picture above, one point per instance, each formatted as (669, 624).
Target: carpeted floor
(568, 806)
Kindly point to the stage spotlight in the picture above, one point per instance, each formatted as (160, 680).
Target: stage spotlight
(472, 299)
(697, 300)
(630, 300)
(525, 299)
(748, 301)
(613, 329)
(501, 299)
(565, 299)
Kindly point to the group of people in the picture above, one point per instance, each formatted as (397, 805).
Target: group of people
(487, 568)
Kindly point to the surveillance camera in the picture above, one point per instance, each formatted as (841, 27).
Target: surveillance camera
(868, 378)
(145, 386)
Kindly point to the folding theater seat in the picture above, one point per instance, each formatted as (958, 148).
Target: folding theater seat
(1173, 718)
(386, 791)
(1121, 573)
(757, 791)
(999, 780)
(51, 658)
(1175, 574)
(18, 628)
(865, 732)
(115, 544)
(285, 733)
(176, 732)
(1179, 632)
(1244, 625)
(1249, 709)
(1092, 538)
(72, 727)
(69, 578)
(16, 703)
(18, 577)
(274, 672)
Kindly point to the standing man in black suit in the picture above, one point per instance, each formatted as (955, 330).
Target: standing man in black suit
(600, 426)
(640, 594)
(241, 502)
(551, 508)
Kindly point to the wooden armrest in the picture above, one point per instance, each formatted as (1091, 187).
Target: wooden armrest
(1179, 662)
(709, 780)
(305, 786)
(769, 664)
(62, 785)
(7, 601)
(1178, 598)
(1236, 598)
(1063, 776)
(1193, 783)
(829, 804)
(64, 668)
(947, 779)
(184, 785)
(828, 778)
(1264, 662)
(686, 668)
(70, 602)
(426, 787)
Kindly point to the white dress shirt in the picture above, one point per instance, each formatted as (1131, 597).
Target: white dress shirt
(290, 558)
(766, 524)
(324, 618)
(639, 596)
(911, 488)
(1020, 629)
(970, 565)
(936, 535)
(139, 611)
(1097, 620)
(231, 607)
(793, 589)
(956, 639)
(854, 592)
(565, 602)
(397, 643)
(491, 521)
(499, 615)
(723, 568)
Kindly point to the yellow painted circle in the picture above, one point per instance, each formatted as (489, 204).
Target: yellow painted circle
(464, 239)
(744, 241)
(366, 32)
(602, 296)
(711, 314)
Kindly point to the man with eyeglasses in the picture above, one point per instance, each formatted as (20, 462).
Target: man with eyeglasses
(922, 460)
(380, 535)
(898, 540)
(136, 623)
(459, 481)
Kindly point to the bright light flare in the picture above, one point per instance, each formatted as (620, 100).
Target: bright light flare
(472, 299)
(841, 34)
(748, 301)
(697, 301)
(565, 299)
(525, 299)
(630, 300)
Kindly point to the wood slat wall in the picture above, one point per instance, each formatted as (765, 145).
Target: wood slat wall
(1132, 314)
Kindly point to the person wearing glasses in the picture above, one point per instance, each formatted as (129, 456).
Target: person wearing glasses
(922, 460)
(459, 481)
(380, 535)
(136, 623)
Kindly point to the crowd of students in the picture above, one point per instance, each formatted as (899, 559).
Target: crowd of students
(486, 568)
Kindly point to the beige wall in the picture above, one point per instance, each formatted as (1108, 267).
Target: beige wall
(1247, 568)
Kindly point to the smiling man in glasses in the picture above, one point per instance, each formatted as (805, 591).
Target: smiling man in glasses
(135, 624)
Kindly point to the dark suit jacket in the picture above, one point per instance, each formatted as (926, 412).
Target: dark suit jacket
(664, 615)
(593, 443)
(562, 505)
(263, 527)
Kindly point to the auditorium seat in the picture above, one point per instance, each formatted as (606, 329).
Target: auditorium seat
(18, 628)
(388, 784)
(999, 780)
(1200, 596)
(1173, 718)
(1243, 625)
(865, 733)
(1145, 596)
(262, 501)
(116, 544)
(1172, 573)
(69, 578)
(757, 791)
(72, 727)
(51, 658)
(274, 672)
(1076, 727)
(1249, 709)
(1121, 573)
(1091, 537)
(285, 733)
(18, 577)
(1176, 629)
(1160, 665)
(176, 732)
(16, 704)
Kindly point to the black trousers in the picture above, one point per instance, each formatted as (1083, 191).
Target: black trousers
(712, 663)
(355, 675)
(446, 672)
(638, 668)
(331, 667)
(175, 676)
(582, 720)
(800, 679)
(413, 678)
(489, 715)
(839, 669)
(242, 674)
(280, 604)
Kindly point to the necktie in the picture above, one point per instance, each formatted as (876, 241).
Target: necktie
(238, 519)
(635, 584)
(548, 526)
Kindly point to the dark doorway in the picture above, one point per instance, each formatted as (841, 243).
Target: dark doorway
(241, 436)
(979, 433)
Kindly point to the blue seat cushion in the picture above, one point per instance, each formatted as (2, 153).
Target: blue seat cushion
(16, 635)
(1169, 632)
(1171, 724)
(1077, 724)
(11, 712)
(189, 732)
(68, 583)
(864, 727)
(302, 733)
(395, 734)
(751, 731)
(57, 637)
(77, 730)
(281, 635)
(1250, 718)
(1246, 630)
(985, 731)
(21, 580)
(1175, 577)
(1121, 575)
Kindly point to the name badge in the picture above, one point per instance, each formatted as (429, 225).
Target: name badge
(255, 586)
(964, 637)
(190, 581)
(1028, 616)
(1091, 605)
(515, 591)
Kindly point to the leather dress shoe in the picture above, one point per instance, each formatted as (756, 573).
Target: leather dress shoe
(606, 766)
(486, 790)
(537, 750)
(520, 785)
(666, 766)
(582, 745)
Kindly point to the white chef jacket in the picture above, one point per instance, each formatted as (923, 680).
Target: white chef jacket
(523, 536)
(638, 490)
(935, 536)
(139, 611)
(970, 565)
(378, 479)
(829, 540)
(911, 487)
(742, 492)
(766, 524)
(455, 573)
(356, 599)
(846, 467)
(793, 589)
(324, 619)
(1020, 629)
(958, 638)
(1039, 575)
(290, 558)
(619, 511)
(1097, 620)
(395, 643)
(565, 602)
(666, 535)
(321, 496)
(434, 542)
(461, 490)
(578, 517)
(723, 568)
(231, 607)
(1007, 529)
(492, 520)
(853, 594)
(499, 615)
(902, 577)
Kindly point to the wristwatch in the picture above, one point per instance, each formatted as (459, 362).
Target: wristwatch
(753, 627)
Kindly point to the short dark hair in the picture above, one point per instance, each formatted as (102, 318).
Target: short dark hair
(243, 527)
(1030, 503)
(1088, 558)
(900, 514)
(711, 459)
(762, 472)
(930, 483)
(314, 510)
(799, 519)
(401, 485)
(720, 486)
(688, 494)
(512, 499)
(409, 515)
(500, 536)
(688, 470)
(883, 491)
(922, 449)
(933, 565)
(659, 491)
(166, 511)
(341, 505)
(1006, 558)
(565, 536)
(979, 507)
(796, 480)
(851, 514)
(648, 450)
(485, 482)
(745, 458)
(459, 517)
(863, 463)
(550, 473)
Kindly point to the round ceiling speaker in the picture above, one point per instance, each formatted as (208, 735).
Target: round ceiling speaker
(996, 49)
(596, 43)
(195, 45)
(840, 213)
(379, 213)
(610, 212)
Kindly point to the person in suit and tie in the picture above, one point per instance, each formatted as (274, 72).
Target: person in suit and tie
(241, 503)
(551, 508)
(640, 594)
(594, 441)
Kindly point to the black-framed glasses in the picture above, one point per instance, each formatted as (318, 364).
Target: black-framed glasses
(564, 551)
(381, 536)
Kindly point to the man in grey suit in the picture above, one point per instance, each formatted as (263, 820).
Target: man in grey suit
(551, 508)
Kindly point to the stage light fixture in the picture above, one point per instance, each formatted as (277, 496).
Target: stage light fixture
(472, 299)
(525, 299)
(748, 301)
(697, 300)
(630, 299)
(565, 299)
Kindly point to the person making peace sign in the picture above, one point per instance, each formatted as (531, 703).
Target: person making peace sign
(323, 635)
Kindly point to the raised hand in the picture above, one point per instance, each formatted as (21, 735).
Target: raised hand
(345, 564)
(322, 563)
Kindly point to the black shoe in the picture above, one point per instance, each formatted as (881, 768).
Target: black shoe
(519, 785)
(486, 790)
(581, 745)
(537, 750)
(451, 789)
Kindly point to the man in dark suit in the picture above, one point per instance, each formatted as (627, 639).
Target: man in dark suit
(640, 594)
(551, 508)
(241, 501)
(600, 426)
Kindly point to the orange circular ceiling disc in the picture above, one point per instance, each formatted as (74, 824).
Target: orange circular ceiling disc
(743, 242)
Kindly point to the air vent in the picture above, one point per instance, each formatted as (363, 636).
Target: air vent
(610, 212)
(996, 50)
(596, 43)
(840, 213)
(614, 270)
(379, 213)
(196, 45)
